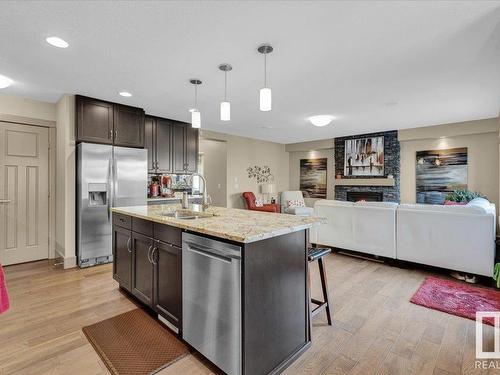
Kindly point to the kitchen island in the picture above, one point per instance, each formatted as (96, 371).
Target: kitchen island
(232, 283)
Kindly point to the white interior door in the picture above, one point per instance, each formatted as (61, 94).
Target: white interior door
(24, 190)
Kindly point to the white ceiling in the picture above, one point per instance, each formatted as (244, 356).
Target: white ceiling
(439, 61)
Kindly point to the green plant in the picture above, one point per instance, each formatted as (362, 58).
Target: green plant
(463, 195)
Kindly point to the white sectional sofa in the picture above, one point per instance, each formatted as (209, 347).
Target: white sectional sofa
(460, 238)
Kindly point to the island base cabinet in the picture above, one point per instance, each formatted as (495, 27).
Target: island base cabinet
(142, 268)
(122, 257)
(168, 282)
(275, 295)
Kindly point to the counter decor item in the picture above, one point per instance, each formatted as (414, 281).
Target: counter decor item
(4, 297)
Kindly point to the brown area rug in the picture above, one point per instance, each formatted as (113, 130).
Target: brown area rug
(134, 343)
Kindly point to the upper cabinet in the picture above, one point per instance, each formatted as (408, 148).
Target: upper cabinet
(185, 148)
(109, 123)
(159, 144)
(172, 146)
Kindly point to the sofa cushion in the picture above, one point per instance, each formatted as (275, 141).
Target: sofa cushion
(300, 211)
(376, 204)
(467, 209)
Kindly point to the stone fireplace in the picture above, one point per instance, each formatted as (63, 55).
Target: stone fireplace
(370, 192)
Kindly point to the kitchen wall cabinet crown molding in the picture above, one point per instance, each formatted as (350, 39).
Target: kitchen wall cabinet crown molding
(99, 121)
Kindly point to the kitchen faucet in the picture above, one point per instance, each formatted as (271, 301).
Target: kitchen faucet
(205, 197)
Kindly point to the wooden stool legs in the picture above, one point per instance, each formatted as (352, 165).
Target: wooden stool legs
(325, 304)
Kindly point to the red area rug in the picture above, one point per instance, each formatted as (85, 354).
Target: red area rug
(456, 298)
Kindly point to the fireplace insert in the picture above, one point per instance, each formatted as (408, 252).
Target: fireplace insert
(369, 196)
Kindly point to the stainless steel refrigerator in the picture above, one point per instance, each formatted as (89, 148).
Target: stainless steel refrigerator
(107, 176)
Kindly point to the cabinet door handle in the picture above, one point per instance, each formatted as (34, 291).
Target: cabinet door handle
(153, 255)
(116, 134)
(4, 200)
(128, 244)
(111, 134)
(149, 253)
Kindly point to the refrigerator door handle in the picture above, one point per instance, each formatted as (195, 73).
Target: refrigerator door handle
(109, 188)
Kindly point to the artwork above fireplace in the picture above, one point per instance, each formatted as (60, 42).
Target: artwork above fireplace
(369, 196)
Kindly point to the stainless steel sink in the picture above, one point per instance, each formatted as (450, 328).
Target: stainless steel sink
(187, 214)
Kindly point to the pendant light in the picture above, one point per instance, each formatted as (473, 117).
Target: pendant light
(195, 113)
(265, 92)
(225, 106)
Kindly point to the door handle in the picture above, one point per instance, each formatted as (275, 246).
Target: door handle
(202, 252)
(153, 256)
(128, 244)
(149, 254)
(4, 200)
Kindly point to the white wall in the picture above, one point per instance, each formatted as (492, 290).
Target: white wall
(214, 154)
(246, 152)
(481, 139)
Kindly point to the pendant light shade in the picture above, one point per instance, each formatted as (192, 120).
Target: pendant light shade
(225, 106)
(196, 119)
(195, 113)
(265, 99)
(265, 102)
(225, 111)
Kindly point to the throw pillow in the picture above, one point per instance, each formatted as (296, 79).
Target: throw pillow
(259, 203)
(295, 203)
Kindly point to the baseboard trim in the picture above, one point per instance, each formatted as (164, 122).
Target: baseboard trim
(69, 262)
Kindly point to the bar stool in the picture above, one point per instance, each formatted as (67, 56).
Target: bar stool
(317, 253)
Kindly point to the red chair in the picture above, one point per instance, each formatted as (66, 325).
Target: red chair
(249, 198)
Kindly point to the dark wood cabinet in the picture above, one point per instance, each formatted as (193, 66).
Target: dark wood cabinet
(191, 150)
(163, 146)
(147, 262)
(185, 148)
(178, 147)
(168, 282)
(142, 268)
(150, 142)
(159, 144)
(128, 123)
(94, 120)
(99, 121)
(122, 256)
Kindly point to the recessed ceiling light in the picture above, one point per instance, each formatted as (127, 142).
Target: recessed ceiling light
(57, 42)
(125, 94)
(5, 82)
(321, 120)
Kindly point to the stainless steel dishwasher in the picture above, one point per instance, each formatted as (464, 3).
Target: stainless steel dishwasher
(211, 300)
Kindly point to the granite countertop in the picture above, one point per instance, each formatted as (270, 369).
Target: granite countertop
(229, 223)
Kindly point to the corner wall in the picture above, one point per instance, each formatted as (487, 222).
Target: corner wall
(481, 139)
(247, 152)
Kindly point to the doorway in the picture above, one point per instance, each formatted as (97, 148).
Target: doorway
(213, 158)
(24, 193)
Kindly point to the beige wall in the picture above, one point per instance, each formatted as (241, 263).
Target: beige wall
(28, 108)
(246, 152)
(214, 154)
(65, 193)
(481, 139)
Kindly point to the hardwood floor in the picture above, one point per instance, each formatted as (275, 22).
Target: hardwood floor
(375, 329)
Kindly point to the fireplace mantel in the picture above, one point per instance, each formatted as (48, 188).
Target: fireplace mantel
(364, 182)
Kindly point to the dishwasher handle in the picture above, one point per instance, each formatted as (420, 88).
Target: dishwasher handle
(208, 254)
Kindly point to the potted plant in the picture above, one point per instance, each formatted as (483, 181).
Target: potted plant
(461, 197)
